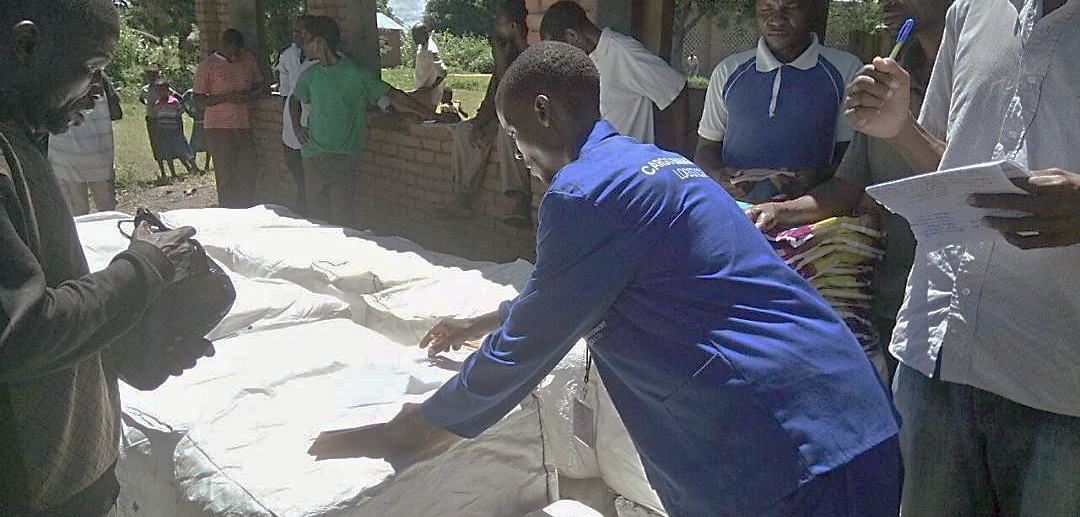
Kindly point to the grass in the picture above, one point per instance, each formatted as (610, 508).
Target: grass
(469, 89)
(135, 165)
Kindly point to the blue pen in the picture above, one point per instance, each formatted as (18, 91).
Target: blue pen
(902, 36)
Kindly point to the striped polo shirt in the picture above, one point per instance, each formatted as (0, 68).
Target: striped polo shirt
(217, 75)
(771, 114)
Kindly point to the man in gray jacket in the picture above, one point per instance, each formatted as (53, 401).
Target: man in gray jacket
(61, 327)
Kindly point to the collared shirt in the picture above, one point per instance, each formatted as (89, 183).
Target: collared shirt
(1005, 85)
(217, 75)
(290, 64)
(735, 379)
(770, 114)
(429, 68)
(339, 96)
(85, 152)
(632, 80)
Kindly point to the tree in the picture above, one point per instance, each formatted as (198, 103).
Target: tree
(461, 17)
(722, 12)
(161, 18)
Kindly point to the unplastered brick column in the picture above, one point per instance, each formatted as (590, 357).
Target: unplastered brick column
(537, 8)
(213, 16)
(356, 19)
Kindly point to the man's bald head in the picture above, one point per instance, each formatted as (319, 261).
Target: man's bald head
(52, 49)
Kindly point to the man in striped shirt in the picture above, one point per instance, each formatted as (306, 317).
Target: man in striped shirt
(225, 83)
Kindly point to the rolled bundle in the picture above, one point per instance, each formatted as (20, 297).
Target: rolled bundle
(838, 256)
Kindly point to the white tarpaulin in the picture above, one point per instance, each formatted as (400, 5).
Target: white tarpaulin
(323, 336)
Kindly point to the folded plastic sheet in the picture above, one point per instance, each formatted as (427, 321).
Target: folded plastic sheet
(267, 394)
(323, 336)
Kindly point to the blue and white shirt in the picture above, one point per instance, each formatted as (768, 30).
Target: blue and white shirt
(735, 379)
(771, 114)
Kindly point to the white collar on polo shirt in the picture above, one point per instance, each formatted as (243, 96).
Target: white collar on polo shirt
(767, 62)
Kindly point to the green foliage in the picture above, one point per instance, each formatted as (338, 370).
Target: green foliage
(136, 49)
(161, 18)
(461, 17)
(722, 12)
(698, 81)
(277, 24)
(408, 49)
(465, 53)
(855, 17)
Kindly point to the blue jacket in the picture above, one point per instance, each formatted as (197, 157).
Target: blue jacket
(736, 381)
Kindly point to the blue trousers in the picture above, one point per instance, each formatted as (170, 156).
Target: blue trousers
(970, 453)
(867, 486)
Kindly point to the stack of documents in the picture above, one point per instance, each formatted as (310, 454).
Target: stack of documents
(936, 206)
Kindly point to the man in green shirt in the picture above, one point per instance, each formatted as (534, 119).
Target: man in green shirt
(339, 93)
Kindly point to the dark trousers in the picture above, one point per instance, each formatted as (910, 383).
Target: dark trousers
(295, 163)
(867, 486)
(235, 166)
(330, 185)
(971, 453)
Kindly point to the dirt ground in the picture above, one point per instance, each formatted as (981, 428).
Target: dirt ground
(192, 191)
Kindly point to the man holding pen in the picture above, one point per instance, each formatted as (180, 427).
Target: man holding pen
(989, 381)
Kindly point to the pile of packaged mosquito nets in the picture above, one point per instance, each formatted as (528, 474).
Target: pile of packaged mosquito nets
(838, 256)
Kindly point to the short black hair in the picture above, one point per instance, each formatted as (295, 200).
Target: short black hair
(326, 28)
(420, 31)
(233, 37)
(561, 16)
(555, 69)
(513, 9)
(304, 20)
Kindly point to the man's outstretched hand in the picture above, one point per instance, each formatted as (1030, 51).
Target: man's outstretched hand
(175, 244)
(452, 333)
(1051, 202)
(406, 439)
(183, 353)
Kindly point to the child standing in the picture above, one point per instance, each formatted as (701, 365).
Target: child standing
(167, 130)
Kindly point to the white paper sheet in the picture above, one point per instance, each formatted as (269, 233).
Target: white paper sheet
(935, 204)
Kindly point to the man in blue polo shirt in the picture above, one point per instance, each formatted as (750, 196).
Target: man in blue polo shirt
(744, 393)
(773, 126)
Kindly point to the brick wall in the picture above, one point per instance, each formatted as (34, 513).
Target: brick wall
(406, 168)
(406, 171)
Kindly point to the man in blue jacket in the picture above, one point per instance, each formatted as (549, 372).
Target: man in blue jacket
(744, 393)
